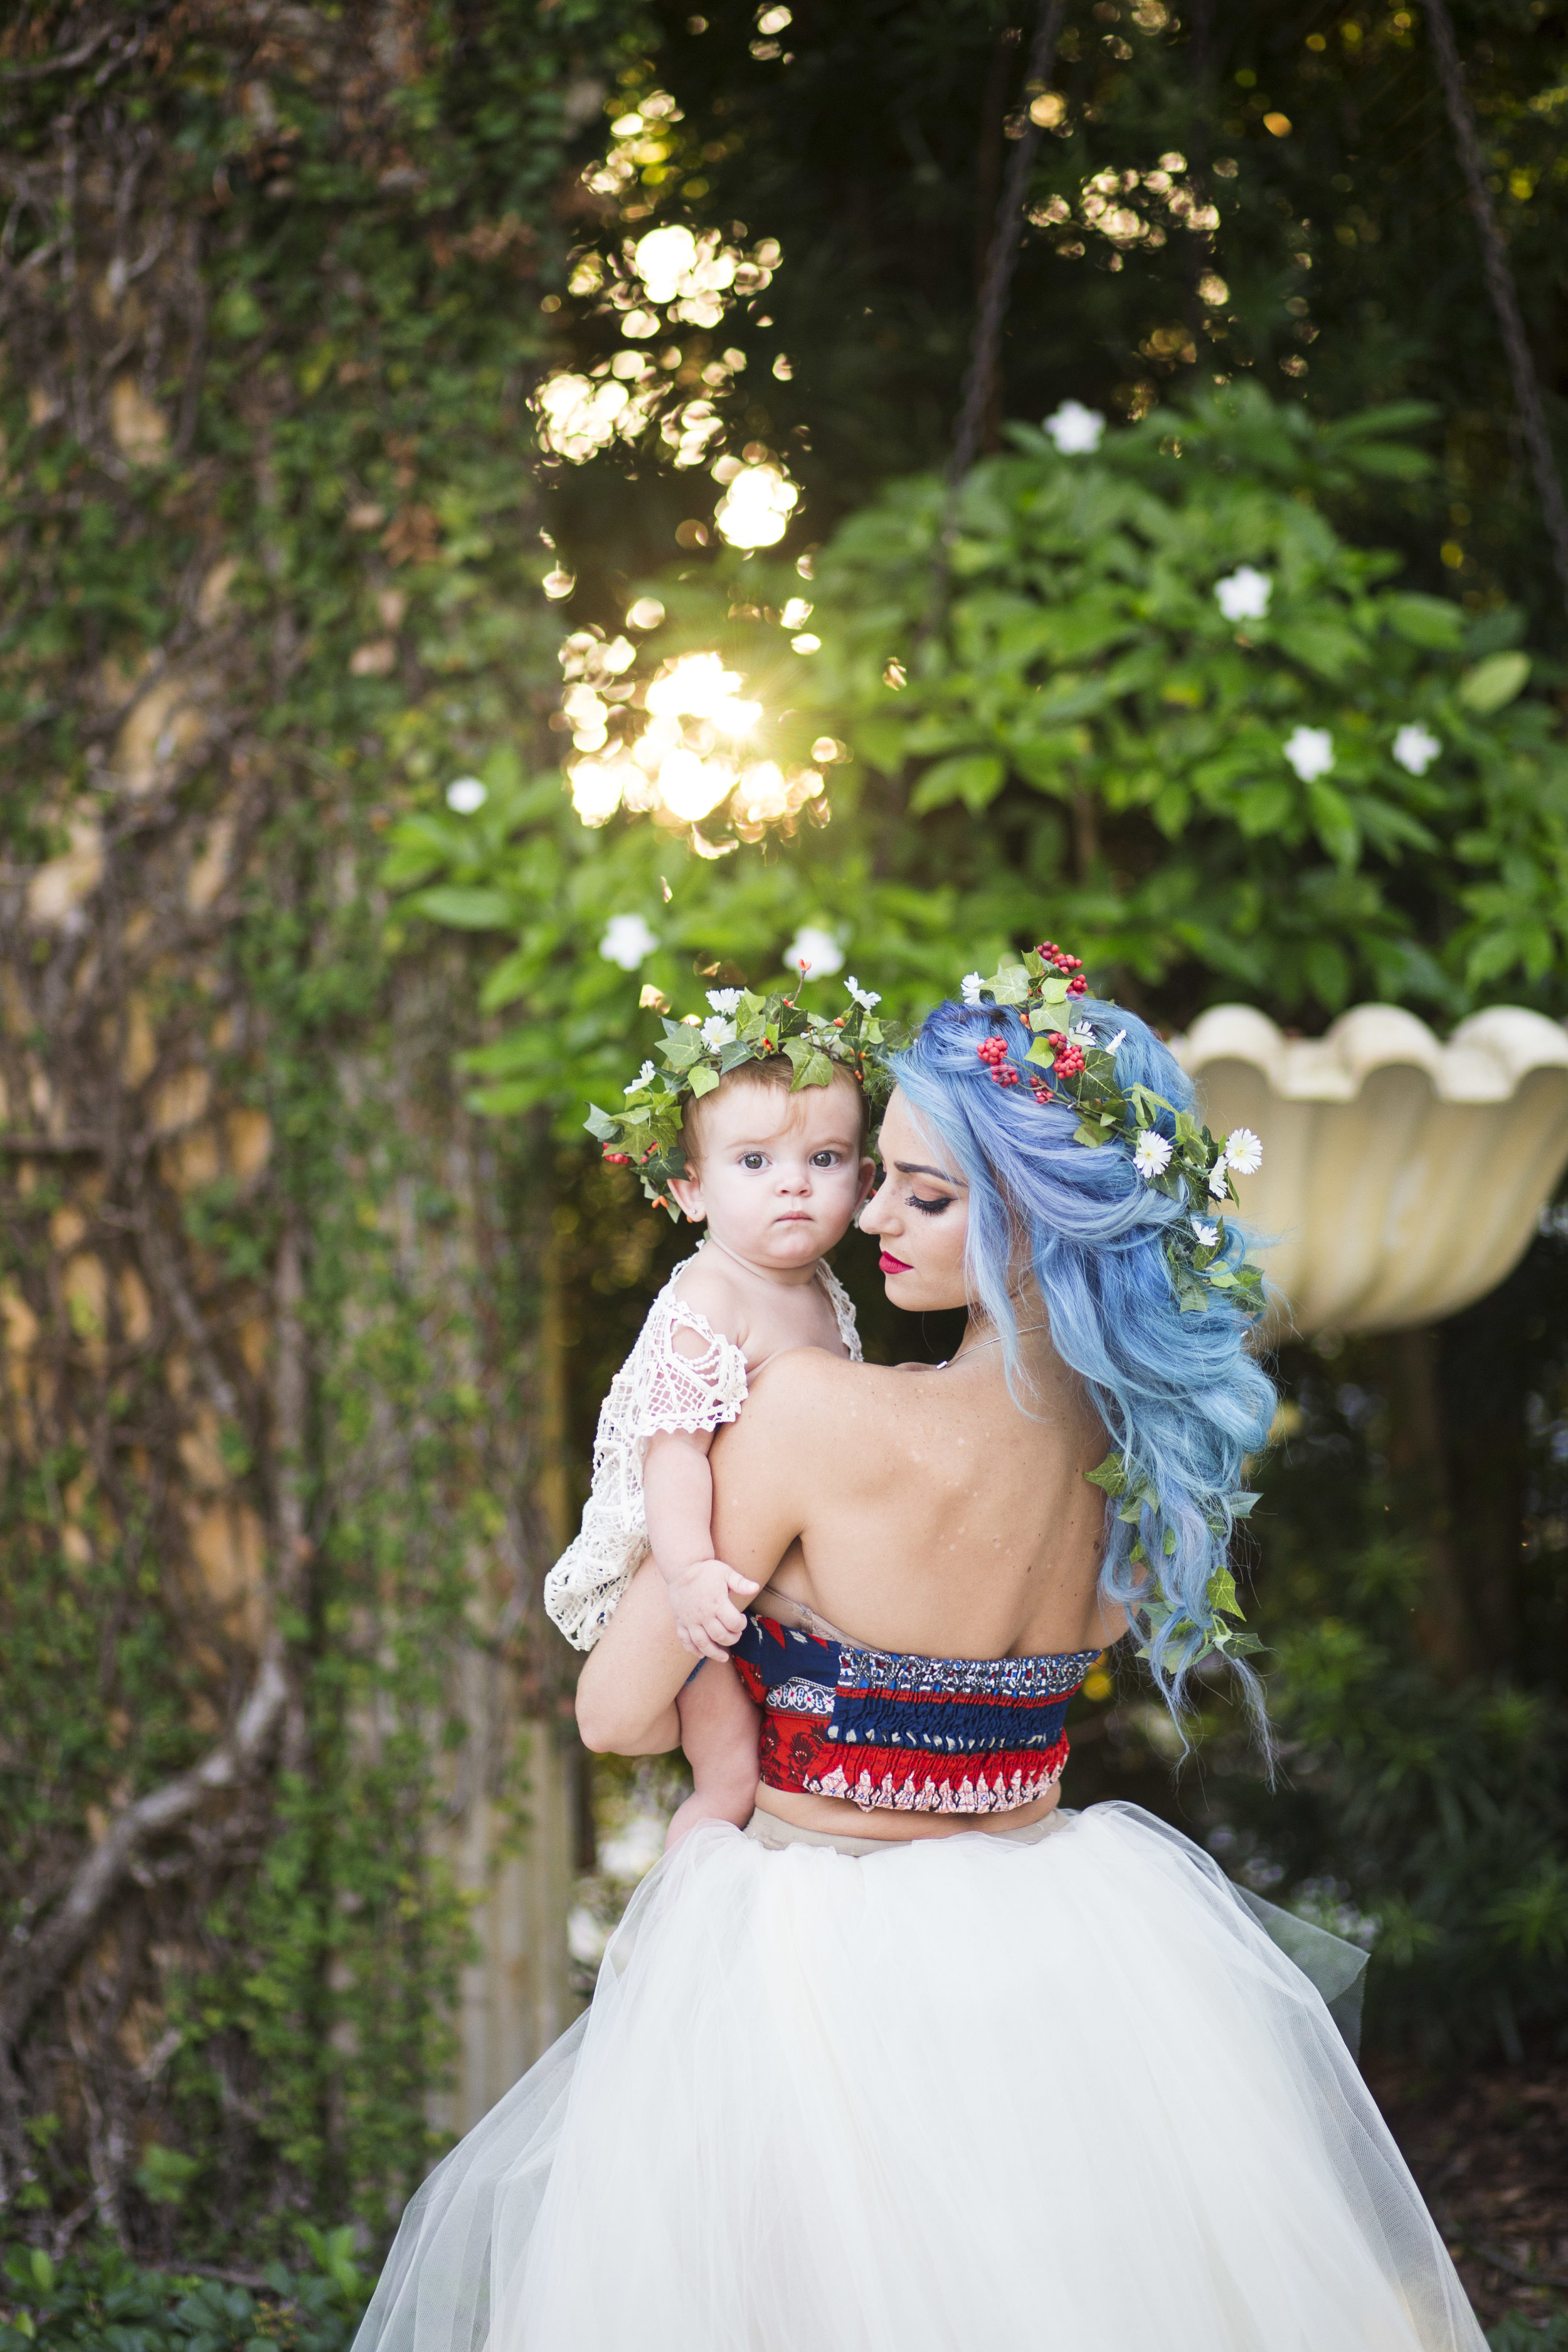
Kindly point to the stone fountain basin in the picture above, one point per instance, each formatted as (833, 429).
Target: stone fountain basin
(1402, 1177)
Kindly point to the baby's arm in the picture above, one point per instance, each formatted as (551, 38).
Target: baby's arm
(678, 1497)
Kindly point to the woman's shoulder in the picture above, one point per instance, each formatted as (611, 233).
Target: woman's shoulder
(804, 1387)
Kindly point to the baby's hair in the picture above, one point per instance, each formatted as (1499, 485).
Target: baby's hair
(1182, 1397)
(777, 1073)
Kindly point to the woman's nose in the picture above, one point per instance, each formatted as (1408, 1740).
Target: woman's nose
(874, 1217)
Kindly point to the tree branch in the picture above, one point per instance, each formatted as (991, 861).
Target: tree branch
(46, 1956)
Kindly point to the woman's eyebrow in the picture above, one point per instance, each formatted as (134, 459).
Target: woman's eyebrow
(918, 1168)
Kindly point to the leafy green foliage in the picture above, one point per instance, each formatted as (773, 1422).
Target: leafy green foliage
(1085, 742)
(273, 301)
(1433, 1800)
(98, 2298)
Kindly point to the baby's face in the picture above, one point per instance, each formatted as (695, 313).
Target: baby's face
(777, 1175)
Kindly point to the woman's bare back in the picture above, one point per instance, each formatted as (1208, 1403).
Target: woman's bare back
(920, 1508)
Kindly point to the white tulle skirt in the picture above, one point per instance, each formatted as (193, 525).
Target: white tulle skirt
(963, 2095)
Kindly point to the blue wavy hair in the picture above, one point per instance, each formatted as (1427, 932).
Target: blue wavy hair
(1183, 1400)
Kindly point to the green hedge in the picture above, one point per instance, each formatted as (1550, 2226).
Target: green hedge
(99, 2301)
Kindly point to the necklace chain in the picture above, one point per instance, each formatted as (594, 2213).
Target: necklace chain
(974, 1346)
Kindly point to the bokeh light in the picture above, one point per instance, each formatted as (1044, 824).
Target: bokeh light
(677, 746)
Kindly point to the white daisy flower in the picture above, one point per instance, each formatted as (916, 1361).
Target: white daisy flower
(1084, 1035)
(1207, 1235)
(1416, 747)
(1311, 751)
(1244, 596)
(723, 1000)
(867, 998)
(645, 1078)
(1244, 1152)
(716, 1031)
(1217, 1179)
(972, 986)
(1151, 1154)
(1117, 1041)
(628, 942)
(1075, 429)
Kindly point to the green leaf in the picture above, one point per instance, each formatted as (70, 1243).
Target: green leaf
(1494, 683)
(1325, 648)
(1010, 984)
(1110, 1474)
(464, 908)
(972, 777)
(1430, 621)
(1332, 822)
(704, 1078)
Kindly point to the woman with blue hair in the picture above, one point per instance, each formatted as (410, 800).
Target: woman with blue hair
(919, 2061)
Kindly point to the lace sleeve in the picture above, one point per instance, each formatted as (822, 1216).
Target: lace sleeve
(659, 1387)
(673, 1389)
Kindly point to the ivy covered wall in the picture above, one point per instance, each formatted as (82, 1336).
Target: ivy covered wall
(288, 1785)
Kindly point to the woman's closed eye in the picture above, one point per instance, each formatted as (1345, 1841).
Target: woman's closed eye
(932, 1208)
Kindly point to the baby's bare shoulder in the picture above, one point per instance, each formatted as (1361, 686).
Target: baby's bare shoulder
(707, 1288)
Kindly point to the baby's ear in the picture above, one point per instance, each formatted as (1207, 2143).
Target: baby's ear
(686, 1191)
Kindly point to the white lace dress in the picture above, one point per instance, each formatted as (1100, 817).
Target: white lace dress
(657, 1387)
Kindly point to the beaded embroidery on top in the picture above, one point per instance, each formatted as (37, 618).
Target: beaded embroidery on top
(903, 1733)
(657, 1387)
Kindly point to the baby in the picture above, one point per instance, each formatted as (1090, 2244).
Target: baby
(773, 1151)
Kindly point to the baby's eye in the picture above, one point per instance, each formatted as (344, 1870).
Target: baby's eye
(825, 1159)
(750, 1160)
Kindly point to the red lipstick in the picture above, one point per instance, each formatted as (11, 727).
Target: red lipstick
(891, 1265)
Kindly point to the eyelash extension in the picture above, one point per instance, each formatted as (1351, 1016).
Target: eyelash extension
(931, 1208)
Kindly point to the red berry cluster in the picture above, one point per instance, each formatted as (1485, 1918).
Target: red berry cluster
(992, 1052)
(1069, 1058)
(618, 1158)
(1060, 961)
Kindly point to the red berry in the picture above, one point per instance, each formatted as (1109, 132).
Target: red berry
(1078, 988)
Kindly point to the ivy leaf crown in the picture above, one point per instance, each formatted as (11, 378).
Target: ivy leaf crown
(1068, 1064)
(745, 1024)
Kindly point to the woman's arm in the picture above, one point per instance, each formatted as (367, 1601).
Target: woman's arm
(627, 1688)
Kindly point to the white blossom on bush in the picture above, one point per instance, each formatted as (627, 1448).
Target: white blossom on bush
(628, 942)
(1244, 594)
(1416, 747)
(1311, 751)
(1076, 430)
(818, 949)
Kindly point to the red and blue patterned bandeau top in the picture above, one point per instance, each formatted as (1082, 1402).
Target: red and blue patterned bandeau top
(915, 1734)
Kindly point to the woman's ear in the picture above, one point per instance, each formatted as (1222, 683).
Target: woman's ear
(686, 1191)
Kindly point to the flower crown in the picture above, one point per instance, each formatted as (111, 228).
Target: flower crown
(1068, 1063)
(744, 1025)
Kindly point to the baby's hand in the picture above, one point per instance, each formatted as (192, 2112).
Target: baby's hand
(706, 1620)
